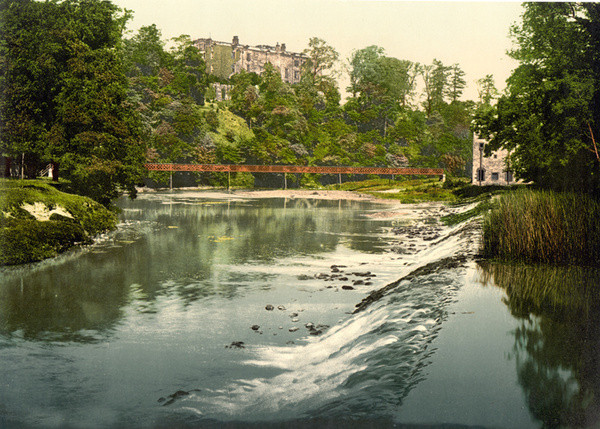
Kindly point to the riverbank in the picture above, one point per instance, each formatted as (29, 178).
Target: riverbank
(38, 222)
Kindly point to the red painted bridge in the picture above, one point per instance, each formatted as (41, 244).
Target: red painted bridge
(233, 168)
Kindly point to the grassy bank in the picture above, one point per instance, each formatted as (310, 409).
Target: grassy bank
(38, 222)
(543, 226)
(404, 191)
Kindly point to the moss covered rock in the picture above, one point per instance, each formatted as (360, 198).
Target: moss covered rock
(38, 222)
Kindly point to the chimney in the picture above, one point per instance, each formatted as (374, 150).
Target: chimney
(283, 47)
(236, 41)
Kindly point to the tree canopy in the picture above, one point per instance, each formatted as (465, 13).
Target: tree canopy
(550, 112)
(100, 105)
(64, 93)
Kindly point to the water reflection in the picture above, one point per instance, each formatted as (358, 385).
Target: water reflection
(557, 345)
(188, 248)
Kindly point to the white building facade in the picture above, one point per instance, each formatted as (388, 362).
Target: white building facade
(493, 169)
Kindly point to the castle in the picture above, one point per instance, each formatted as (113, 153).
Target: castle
(226, 59)
(490, 170)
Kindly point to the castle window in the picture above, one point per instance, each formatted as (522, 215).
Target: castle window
(248, 57)
(248, 67)
(287, 72)
(495, 156)
(297, 75)
(494, 176)
(481, 145)
(296, 63)
(480, 174)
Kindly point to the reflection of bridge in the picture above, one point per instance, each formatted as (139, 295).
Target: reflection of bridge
(234, 168)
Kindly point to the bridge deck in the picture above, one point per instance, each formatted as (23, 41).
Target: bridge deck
(296, 169)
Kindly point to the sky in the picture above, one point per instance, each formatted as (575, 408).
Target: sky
(473, 34)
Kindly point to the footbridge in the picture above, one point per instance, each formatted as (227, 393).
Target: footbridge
(235, 168)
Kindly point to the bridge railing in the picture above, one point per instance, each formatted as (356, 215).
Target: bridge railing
(231, 168)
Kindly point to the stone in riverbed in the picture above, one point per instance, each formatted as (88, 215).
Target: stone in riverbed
(269, 307)
(294, 329)
(363, 274)
(255, 327)
(347, 287)
(175, 396)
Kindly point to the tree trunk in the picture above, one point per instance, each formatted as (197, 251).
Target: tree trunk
(55, 173)
(7, 166)
(22, 165)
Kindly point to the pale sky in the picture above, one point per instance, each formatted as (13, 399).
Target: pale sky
(473, 34)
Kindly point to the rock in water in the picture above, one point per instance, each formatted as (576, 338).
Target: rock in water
(269, 307)
(179, 394)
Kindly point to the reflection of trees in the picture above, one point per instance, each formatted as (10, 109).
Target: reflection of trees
(80, 298)
(557, 345)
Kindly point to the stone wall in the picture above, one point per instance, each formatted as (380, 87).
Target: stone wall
(490, 170)
(225, 59)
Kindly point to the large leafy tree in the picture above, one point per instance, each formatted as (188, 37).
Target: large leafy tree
(65, 93)
(549, 116)
(381, 86)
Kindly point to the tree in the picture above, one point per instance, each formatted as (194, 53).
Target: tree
(486, 89)
(381, 86)
(69, 91)
(435, 79)
(322, 59)
(550, 113)
(456, 83)
(189, 75)
(145, 53)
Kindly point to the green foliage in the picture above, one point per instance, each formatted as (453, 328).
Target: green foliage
(66, 99)
(408, 191)
(25, 239)
(550, 112)
(544, 226)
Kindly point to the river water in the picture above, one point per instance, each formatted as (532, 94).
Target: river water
(212, 310)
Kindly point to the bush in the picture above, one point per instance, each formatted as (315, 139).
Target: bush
(29, 240)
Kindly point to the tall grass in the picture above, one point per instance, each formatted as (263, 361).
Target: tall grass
(544, 226)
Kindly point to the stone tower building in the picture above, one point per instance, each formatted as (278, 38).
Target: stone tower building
(225, 59)
(490, 170)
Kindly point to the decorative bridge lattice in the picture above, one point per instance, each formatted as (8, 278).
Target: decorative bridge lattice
(296, 169)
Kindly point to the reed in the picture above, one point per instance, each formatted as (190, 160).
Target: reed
(543, 226)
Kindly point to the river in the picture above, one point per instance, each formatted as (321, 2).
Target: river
(209, 309)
